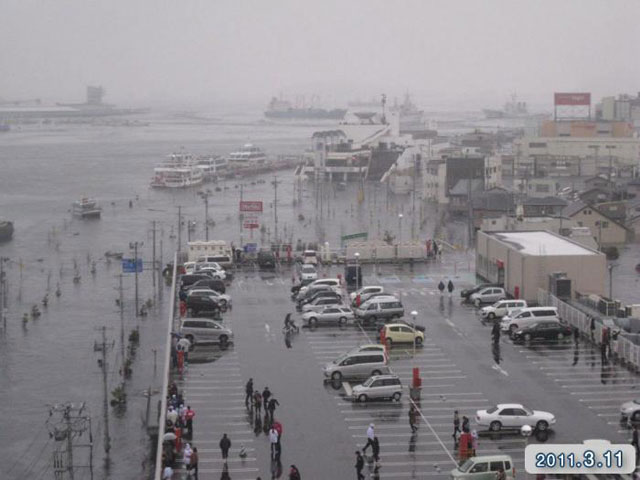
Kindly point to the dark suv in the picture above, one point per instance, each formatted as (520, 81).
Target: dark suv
(212, 283)
(266, 260)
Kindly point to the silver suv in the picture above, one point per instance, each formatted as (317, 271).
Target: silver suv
(357, 364)
(202, 330)
(378, 386)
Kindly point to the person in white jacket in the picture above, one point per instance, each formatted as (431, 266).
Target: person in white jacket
(370, 436)
(273, 439)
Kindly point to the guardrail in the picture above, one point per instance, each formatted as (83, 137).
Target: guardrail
(165, 371)
(622, 349)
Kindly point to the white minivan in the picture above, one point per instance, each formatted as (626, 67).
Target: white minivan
(528, 316)
(501, 308)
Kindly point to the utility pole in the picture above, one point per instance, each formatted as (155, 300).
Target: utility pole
(240, 216)
(134, 245)
(3, 298)
(102, 347)
(153, 269)
(160, 267)
(413, 200)
(66, 422)
(275, 206)
(121, 321)
(609, 148)
(179, 227)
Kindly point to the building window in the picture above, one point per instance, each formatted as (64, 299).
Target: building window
(542, 188)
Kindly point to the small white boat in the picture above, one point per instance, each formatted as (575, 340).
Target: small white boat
(86, 208)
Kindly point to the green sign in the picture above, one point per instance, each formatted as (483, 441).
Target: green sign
(355, 236)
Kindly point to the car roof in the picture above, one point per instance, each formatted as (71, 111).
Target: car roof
(489, 458)
(510, 405)
(398, 325)
(369, 345)
(202, 319)
(388, 375)
(386, 296)
(535, 309)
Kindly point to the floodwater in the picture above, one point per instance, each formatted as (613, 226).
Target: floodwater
(51, 360)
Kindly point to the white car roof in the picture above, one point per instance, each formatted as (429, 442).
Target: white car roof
(510, 405)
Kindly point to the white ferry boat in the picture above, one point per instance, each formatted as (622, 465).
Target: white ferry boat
(179, 170)
(86, 208)
(248, 156)
(213, 166)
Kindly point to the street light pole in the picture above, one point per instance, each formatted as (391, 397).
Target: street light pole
(399, 228)
(357, 257)
(611, 267)
(414, 314)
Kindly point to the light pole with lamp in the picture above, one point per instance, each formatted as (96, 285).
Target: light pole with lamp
(400, 228)
(414, 314)
(357, 257)
(414, 392)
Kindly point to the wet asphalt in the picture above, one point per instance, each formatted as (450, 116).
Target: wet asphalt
(458, 367)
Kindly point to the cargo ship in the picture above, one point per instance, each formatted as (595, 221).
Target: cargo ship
(284, 110)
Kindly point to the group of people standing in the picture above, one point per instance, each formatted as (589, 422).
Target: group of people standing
(178, 427)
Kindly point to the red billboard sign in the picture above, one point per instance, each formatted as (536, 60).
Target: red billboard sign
(572, 99)
(255, 207)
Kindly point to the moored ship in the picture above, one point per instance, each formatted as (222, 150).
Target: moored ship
(179, 170)
(284, 110)
(6, 230)
(86, 208)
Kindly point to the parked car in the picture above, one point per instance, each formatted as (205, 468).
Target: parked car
(401, 333)
(485, 467)
(513, 415)
(488, 295)
(365, 293)
(266, 260)
(224, 260)
(189, 267)
(308, 272)
(330, 314)
(528, 316)
(212, 283)
(368, 347)
(216, 274)
(630, 409)
(332, 282)
(320, 303)
(320, 294)
(501, 308)
(309, 256)
(203, 330)
(223, 299)
(357, 365)
(383, 307)
(378, 387)
(189, 279)
(467, 292)
(312, 289)
(198, 305)
(543, 330)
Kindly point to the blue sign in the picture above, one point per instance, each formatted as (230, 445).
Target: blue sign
(129, 265)
(250, 247)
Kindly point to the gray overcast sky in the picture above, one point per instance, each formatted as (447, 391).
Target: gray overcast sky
(146, 51)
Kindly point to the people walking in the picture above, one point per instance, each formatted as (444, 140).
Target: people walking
(375, 447)
(359, 465)
(257, 402)
(248, 391)
(225, 445)
(186, 457)
(465, 424)
(592, 328)
(635, 442)
(272, 407)
(576, 335)
(456, 424)
(266, 394)
(370, 436)
(413, 418)
(441, 287)
(194, 463)
(273, 440)
(450, 287)
(495, 332)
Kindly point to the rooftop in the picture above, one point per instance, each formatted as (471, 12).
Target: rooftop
(541, 243)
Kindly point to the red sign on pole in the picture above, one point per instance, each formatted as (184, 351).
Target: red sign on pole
(255, 207)
(572, 99)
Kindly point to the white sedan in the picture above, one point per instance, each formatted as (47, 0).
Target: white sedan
(221, 298)
(513, 415)
(330, 314)
(628, 409)
(308, 272)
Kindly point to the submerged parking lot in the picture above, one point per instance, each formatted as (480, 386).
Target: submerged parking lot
(459, 367)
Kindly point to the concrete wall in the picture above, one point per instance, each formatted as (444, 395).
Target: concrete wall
(605, 231)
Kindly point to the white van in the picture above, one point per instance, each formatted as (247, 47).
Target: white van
(528, 316)
(224, 260)
(501, 308)
(358, 365)
(383, 307)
